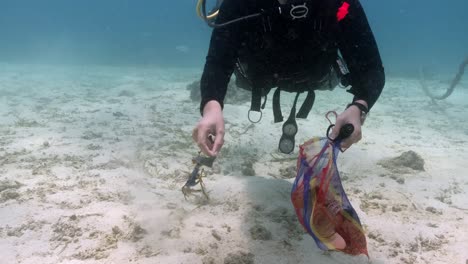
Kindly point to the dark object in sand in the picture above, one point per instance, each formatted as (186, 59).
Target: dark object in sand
(126, 93)
(259, 232)
(408, 159)
(239, 257)
(450, 90)
(197, 174)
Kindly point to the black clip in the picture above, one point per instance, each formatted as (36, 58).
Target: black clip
(198, 173)
(345, 132)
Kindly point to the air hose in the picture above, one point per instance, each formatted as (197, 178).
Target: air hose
(452, 86)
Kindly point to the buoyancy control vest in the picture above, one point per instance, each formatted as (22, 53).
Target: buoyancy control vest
(291, 47)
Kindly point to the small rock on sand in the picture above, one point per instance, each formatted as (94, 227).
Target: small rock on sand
(259, 232)
(408, 159)
(239, 258)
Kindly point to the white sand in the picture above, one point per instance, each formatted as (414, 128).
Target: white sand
(92, 161)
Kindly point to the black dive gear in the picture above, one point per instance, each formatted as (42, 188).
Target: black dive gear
(282, 49)
(364, 110)
(361, 107)
(287, 141)
(345, 132)
(293, 9)
(214, 25)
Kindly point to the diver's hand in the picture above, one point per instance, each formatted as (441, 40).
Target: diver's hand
(352, 115)
(212, 123)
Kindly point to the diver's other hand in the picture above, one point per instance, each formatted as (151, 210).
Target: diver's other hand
(212, 123)
(351, 115)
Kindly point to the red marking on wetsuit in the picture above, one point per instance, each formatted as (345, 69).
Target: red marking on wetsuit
(342, 11)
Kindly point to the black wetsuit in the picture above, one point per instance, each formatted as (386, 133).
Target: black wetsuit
(292, 46)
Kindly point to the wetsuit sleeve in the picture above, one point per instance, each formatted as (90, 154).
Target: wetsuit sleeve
(360, 52)
(222, 55)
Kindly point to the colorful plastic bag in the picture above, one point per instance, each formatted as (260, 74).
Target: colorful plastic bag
(320, 201)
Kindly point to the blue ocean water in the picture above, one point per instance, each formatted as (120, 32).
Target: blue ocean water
(410, 34)
(92, 157)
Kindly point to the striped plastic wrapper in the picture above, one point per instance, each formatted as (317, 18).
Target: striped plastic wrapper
(320, 201)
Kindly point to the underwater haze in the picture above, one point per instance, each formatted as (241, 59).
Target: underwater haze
(410, 34)
(102, 32)
(98, 103)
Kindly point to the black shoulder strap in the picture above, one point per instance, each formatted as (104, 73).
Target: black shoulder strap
(278, 116)
(303, 111)
(306, 105)
(255, 104)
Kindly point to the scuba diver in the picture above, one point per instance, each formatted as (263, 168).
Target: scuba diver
(296, 46)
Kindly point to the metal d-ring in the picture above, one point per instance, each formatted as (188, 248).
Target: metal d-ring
(250, 119)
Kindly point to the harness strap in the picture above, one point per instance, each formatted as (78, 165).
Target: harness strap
(306, 105)
(264, 101)
(278, 116)
(303, 111)
(256, 102)
(293, 109)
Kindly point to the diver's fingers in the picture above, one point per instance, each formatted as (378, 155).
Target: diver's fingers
(202, 140)
(357, 134)
(335, 131)
(346, 143)
(354, 138)
(195, 134)
(219, 141)
(204, 148)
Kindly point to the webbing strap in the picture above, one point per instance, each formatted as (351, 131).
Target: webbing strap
(278, 116)
(306, 105)
(256, 101)
(303, 111)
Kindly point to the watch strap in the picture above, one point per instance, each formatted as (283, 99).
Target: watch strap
(361, 107)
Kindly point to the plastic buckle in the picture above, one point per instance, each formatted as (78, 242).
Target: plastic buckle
(299, 11)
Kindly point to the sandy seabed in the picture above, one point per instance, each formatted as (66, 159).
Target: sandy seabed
(92, 161)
